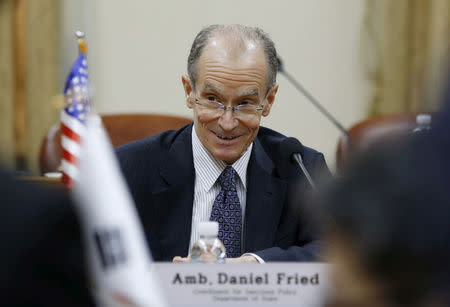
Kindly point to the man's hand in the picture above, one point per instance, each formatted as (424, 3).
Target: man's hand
(178, 259)
(242, 259)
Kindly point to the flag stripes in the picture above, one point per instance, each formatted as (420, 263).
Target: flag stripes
(72, 119)
(70, 146)
(70, 133)
(69, 169)
(69, 157)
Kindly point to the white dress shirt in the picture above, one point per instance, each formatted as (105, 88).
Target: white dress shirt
(206, 186)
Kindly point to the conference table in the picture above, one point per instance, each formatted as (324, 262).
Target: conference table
(282, 284)
(52, 182)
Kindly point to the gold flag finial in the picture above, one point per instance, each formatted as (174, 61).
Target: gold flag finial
(81, 44)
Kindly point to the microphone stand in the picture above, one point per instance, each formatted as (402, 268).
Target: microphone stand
(298, 158)
(314, 101)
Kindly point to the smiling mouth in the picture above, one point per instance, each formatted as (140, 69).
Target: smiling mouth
(226, 138)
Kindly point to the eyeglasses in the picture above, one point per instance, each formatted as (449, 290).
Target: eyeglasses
(244, 110)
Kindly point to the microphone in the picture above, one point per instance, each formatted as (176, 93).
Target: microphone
(290, 148)
(314, 102)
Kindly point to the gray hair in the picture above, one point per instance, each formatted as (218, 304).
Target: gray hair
(243, 32)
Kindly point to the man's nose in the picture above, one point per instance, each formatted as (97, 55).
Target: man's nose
(227, 120)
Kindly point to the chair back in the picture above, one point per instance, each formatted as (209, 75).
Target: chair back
(121, 128)
(374, 131)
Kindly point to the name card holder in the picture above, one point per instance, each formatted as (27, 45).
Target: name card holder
(283, 284)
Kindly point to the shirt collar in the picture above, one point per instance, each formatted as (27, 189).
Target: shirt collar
(208, 168)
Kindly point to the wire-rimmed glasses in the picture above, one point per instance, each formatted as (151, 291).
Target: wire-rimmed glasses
(244, 110)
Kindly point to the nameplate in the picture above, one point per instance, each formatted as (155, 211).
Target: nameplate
(283, 284)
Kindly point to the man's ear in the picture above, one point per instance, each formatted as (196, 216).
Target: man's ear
(187, 90)
(270, 100)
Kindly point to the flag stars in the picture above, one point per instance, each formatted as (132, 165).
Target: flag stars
(77, 91)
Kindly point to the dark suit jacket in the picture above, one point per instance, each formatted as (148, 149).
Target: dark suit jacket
(160, 173)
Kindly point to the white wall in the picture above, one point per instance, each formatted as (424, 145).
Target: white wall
(138, 51)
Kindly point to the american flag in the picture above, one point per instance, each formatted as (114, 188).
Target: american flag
(73, 118)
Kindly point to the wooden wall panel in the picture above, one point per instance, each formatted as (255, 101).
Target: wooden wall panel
(43, 59)
(6, 85)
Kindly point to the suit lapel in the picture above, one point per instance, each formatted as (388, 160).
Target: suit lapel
(173, 199)
(174, 196)
(265, 198)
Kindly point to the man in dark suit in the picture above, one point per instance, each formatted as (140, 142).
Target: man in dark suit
(224, 166)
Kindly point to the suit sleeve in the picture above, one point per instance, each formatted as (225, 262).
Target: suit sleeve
(307, 245)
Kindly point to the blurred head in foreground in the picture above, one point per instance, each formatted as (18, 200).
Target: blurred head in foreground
(388, 223)
(42, 255)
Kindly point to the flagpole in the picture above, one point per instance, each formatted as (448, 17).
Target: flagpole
(82, 46)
